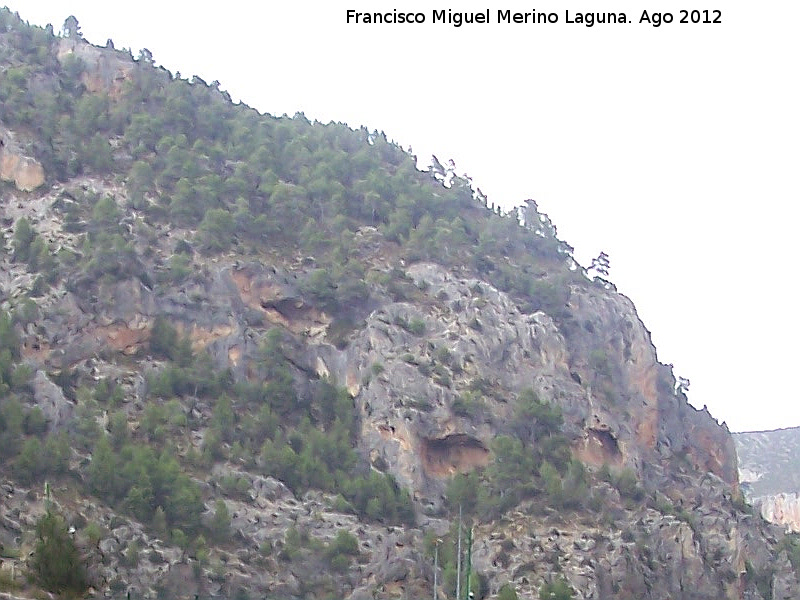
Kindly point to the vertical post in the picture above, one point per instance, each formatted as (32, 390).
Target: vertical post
(458, 562)
(436, 571)
(469, 560)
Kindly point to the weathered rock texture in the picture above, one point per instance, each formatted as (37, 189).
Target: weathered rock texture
(769, 473)
(689, 542)
(17, 168)
(406, 360)
(106, 71)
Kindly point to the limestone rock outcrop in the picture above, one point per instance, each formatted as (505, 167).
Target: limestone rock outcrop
(769, 473)
(15, 167)
(201, 360)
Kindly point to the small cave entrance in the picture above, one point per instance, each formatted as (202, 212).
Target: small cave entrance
(289, 308)
(456, 453)
(603, 447)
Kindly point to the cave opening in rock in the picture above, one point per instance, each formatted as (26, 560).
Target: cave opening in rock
(290, 308)
(456, 453)
(607, 443)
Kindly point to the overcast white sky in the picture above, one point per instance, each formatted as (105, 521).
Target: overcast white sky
(673, 149)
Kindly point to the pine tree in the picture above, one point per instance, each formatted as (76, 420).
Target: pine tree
(57, 563)
(601, 265)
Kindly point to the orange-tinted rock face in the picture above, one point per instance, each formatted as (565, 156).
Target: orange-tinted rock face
(202, 337)
(389, 432)
(25, 173)
(103, 72)
(122, 338)
(599, 447)
(631, 395)
(643, 381)
(251, 297)
(35, 351)
(234, 355)
(129, 340)
(96, 81)
(782, 509)
(277, 307)
(712, 448)
(453, 454)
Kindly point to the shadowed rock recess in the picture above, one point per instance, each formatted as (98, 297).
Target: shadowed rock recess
(257, 357)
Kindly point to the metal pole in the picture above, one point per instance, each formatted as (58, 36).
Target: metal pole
(436, 571)
(458, 562)
(469, 560)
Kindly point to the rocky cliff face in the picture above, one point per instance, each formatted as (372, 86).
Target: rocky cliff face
(23, 171)
(599, 366)
(770, 479)
(434, 357)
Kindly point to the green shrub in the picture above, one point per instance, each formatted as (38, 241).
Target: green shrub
(791, 543)
(56, 561)
(627, 485)
(534, 418)
(143, 481)
(93, 532)
(216, 230)
(416, 326)
(29, 465)
(598, 361)
(343, 543)
(507, 592)
(35, 421)
(24, 235)
(687, 517)
(292, 545)
(235, 486)
(265, 549)
(319, 286)
(468, 404)
(553, 485)
(9, 340)
(107, 392)
(221, 522)
(165, 342)
(132, 555)
(549, 297)
(462, 491)
(56, 453)
(762, 579)
(556, 590)
(379, 498)
(340, 563)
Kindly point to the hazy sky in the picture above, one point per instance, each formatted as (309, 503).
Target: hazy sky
(673, 149)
